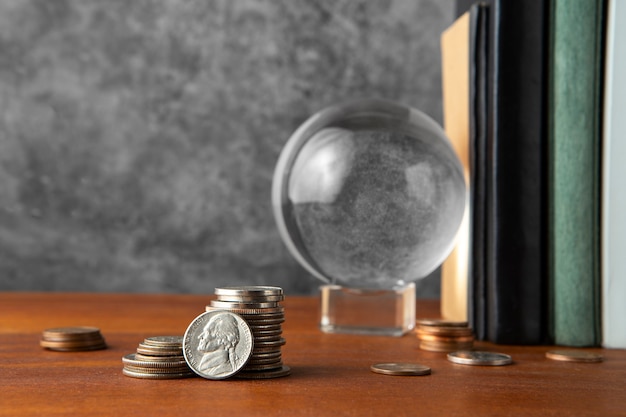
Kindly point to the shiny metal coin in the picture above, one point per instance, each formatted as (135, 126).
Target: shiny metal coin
(276, 373)
(148, 370)
(71, 344)
(271, 312)
(445, 347)
(72, 339)
(250, 298)
(164, 341)
(574, 356)
(263, 361)
(470, 357)
(264, 328)
(401, 369)
(267, 354)
(72, 332)
(243, 305)
(264, 321)
(249, 290)
(217, 344)
(131, 360)
(448, 339)
(143, 375)
(263, 366)
(149, 358)
(158, 350)
(269, 344)
(440, 323)
(444, 331)
(267, 338)
(64, 348)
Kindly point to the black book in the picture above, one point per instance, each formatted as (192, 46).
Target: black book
(479, 58)
(508, 293)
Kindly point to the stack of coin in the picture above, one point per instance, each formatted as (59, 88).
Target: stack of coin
(444, 336)
(72, 339)
(158, 357)
(259, 307)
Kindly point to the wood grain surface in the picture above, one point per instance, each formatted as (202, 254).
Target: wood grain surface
(330, 372)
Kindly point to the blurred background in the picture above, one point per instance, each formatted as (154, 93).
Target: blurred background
(138, 139)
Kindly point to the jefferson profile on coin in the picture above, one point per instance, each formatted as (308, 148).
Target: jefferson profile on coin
(217, 343)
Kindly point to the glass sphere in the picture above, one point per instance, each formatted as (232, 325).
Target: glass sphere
(369, 194)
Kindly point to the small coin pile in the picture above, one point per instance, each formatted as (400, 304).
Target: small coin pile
(260, 308)
(72, 339)
(444, 336)
(158, 357)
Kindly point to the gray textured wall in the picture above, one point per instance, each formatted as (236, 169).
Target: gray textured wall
(138, 138)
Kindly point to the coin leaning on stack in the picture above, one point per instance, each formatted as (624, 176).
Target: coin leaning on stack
(444, 336)
(72, 339)
(158, 357)
(260, 308)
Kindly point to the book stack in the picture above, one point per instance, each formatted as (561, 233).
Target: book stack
(537, 78)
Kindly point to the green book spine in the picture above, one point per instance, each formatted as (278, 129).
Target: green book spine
(574, 170)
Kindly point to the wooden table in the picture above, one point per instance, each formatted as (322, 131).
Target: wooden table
(330, 372)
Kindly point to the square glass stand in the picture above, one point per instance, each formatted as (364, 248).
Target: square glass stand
(368, 311)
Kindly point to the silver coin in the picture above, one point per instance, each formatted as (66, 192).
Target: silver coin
(164, 341)
(152, 358)
(470, 357)
(150, 350)
(401, 369)
(132, 360)
(217, 344)
(243, 304)
(271, 312)
(262, 361)
(251, 290)
(264, 328)
(144, 375)
(263, 366)
(153, 370)
(250, 298)
(275, 373)
(269, 354)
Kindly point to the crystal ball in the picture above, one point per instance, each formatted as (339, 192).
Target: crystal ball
(369, 194)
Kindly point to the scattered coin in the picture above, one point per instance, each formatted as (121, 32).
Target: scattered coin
(217, 344)
(72, 339)
(574, 356)
(400, 369)
(469, 357)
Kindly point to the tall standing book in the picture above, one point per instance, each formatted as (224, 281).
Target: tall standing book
(613, 174)
(574, 169)
(455, 74)
(515, 283)
(464, 58)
